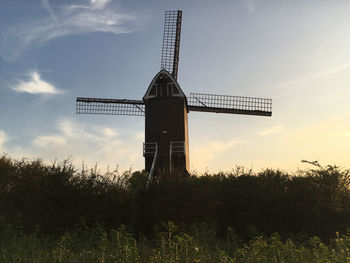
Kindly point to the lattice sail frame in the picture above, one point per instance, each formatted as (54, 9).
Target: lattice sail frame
(196, 102)
(229, 104)
(171, 42)
(110, 106)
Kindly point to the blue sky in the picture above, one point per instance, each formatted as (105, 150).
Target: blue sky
(295, 52)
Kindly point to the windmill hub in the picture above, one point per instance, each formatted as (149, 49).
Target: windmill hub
(165, 107)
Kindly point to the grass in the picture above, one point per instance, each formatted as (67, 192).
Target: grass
(99, 245)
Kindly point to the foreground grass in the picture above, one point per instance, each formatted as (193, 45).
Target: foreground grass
(98, 245)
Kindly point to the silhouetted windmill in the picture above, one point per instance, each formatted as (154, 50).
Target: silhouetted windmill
(165, 107)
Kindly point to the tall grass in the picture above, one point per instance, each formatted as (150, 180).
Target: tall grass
(99, 245)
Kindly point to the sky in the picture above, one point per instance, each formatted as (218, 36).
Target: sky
(295, 52)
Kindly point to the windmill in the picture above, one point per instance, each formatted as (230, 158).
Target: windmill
(165, 107)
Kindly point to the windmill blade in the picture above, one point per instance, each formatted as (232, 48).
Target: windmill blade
(171, 41)
(110, 106)
(229, 104)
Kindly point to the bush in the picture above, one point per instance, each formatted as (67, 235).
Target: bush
(54, 198)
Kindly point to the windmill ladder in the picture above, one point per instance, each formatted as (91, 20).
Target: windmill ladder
(151, 148)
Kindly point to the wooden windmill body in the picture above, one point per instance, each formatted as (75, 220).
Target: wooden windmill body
(165, 107)
(166, 126)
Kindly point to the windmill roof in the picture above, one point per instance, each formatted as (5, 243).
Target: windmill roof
(162, 72)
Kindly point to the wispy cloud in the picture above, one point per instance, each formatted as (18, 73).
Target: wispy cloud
(109, 132)
(49, 141)
(90, 144)
(64, 20)
(72, 130)
(99, 4)
(273, 130)
(3, 139)
(203, 153)
(35, 85)
(317, 75)
(94, 4)
(46, 5)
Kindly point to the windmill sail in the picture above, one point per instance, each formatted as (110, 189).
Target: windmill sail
(229, 104)
(171, 42)
(110, 106)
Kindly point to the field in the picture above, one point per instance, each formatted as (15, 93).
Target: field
(57, 213)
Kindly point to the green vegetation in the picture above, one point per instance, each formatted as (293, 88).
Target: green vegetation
(98, 245)
(56, 213)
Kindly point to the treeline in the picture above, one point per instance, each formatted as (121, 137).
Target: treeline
(54, 198)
